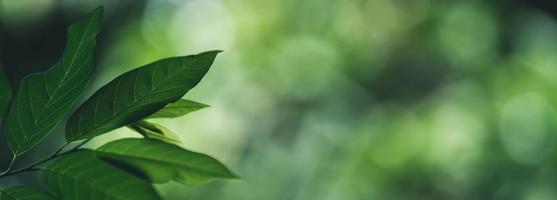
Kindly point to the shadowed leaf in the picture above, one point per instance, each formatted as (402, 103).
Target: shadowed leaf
(154, 131)
(5, 93)
(45, 98)
(161, 162)
(83, 176)
(24, 193)
(178, 108)
(138, 94)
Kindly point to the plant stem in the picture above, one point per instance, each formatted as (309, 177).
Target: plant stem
(10, 166)
(32, 167)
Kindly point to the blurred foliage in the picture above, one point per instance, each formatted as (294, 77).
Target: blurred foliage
(354, 99)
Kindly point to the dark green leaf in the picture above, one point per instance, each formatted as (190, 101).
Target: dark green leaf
(154, 131)
(44, 98)
(5, 93)
(83, 176)
(24, 193)
(178, 108)
(160, 162)
(137, 94)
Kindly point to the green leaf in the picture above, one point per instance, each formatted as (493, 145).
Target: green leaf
(44, 98)
(24, 193)
(5, 93)
(137, 94)
(178, 108)
(161, 162)
(154, 131)
(81, 175)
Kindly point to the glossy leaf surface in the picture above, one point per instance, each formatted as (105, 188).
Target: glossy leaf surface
(154, 131)
(43, 99)
(83, 176)
(138, 94)
(24, 193)
(161, 162)
(178, 108)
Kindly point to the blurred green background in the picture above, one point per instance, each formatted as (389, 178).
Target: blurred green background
(336, 99)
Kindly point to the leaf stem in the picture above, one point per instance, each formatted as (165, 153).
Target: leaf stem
(33, 166)
(14, 156)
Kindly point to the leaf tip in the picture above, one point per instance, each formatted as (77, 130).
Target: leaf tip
(97, 13)
(213, 52)
(202, 105)
(234, 176)
(99, 10)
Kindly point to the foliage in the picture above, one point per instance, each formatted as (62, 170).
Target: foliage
(122, 169)
(22, 192)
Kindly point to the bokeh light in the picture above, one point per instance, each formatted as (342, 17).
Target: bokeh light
(334, 100)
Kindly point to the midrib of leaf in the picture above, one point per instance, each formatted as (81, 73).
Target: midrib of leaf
(114, 116)
(20, 126)
(154, 87)
(55, 110)
(159, 161)
(76, 178)
(42, 112)
(87, 175)
(67, 71)
(26, 137)
(133, 104)
(33, 136)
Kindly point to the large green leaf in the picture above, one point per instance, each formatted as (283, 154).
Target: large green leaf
(44, 98)
(160, 162)
(178, 108)
(138, 94)
(83, 176)
(5, 93)
(154, 131)
(24, 193)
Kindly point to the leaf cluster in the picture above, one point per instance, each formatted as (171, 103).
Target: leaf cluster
(121, 169)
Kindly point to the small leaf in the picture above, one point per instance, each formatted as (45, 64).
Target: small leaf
(45, 98)
(178, 108)
(81, 175)
(161, 162)
(5, 93)
(137, 94)
(154, 131)
(24, 193)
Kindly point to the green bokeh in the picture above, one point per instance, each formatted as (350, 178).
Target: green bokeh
(354, 99)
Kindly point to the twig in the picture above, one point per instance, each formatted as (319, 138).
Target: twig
(32, 167)
(14, 156)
